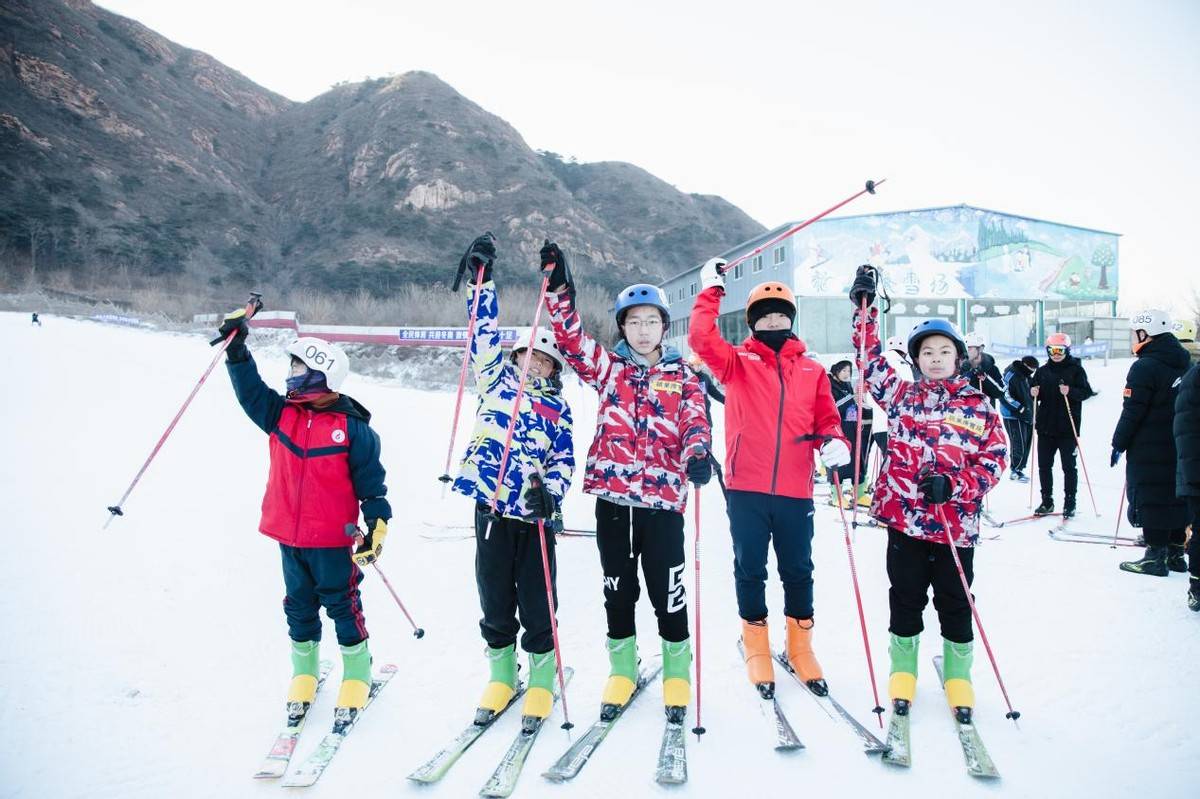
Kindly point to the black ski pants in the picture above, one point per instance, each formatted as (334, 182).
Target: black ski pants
(322, 578)
(1047, 446)
(1019, 434)
(1161, 537)
(913, 566)
(757, 521)
(512, 581)
(625, 535)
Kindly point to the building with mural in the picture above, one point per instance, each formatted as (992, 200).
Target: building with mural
(1012, 278)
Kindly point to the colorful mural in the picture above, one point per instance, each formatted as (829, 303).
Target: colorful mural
(958, 252)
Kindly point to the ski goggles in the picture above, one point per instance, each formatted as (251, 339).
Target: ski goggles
(1056, 350)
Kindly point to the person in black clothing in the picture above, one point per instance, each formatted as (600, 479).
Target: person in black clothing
(1016, 408)
(712, 391)
(35, 320)
(843, 397)
(1144, 433)
(980, 369)
(1187, 473)
(1059, 388)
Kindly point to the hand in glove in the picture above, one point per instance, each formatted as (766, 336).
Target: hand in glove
(712, 273)
(539, 502)
(1116, 457)
(552, 258)
(1064, 389)
(699, 469)
(863, 286)
(237, 321)
(371, 545)
(481, 252)
(935, 488)
(834, 453)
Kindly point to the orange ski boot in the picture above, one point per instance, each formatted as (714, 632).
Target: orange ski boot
(756, 648)
(800, 655)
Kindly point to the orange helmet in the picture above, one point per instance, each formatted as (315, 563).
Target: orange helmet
(771, 290)
(1058, 340)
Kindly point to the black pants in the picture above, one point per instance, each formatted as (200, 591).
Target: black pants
(322, 578)
(1160, 537)
(512, 581)
(846, 473)
(624, 535)
(1019, 434)
(757, 521)
(1194, 543)
(913, 566)
(1047, 445)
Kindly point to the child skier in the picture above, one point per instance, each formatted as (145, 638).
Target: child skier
(509, 572)
(652, 437)
(946, 449)
(1016, 408)
(778, 408)
(1058, 422)
(324, 470)
(844, 398)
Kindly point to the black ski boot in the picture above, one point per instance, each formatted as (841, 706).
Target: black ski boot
(1047, 507)
(1154, 563)
(1176, 561)
(1194, 595)
(1068, 508)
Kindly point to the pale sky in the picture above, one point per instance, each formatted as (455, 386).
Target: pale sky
(1083, 113)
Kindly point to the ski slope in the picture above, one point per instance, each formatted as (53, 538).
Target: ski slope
(151, 659)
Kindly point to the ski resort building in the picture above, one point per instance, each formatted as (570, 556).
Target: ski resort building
(1012, 278)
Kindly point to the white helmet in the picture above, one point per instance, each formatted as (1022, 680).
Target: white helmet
(322, 356)
(1153, 320)
(975, 339)
(896, 343)
(542, 341)
(1185, 330)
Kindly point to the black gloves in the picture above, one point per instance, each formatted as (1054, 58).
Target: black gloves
(482, 251)
(1116, 457)
(237, 321)
(864, 286)
(560, 276)
(935, 488)
(539, 502)
(699, 470)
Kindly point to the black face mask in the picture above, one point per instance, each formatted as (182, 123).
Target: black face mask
(774, 338)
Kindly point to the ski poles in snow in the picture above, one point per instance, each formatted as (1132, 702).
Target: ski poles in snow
(869, 189)
(699, 728)
(862, 619)
(1082, 459)
(1011, 714)
(462, 372)
(558, 661)
(418, 632)
(252, 306)
(1121, 507)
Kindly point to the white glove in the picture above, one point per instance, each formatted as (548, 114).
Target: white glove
(835, 453)
(710, 274)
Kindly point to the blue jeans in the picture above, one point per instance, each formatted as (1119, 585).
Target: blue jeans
(754, 521)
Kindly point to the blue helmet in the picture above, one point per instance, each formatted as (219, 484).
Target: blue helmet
(931, 327)
(641, 294)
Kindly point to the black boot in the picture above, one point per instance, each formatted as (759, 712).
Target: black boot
(1176, 561)
(1045, 508)
(1194, 595)
(1069, 508)
(1154, 562)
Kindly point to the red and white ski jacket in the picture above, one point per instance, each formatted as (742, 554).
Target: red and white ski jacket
(939, 426)
(778, 408)
(651, 420)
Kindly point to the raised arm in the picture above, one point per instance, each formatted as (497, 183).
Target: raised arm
(882, 381)
(590, 361)
(705, 339)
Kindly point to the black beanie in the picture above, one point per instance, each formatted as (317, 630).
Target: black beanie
(1030, 362)
(772, 305)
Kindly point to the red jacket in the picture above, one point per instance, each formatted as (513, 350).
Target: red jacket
(778, 408)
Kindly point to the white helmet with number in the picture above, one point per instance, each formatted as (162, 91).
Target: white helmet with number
(1185, 330)
(1153, 320)
(975, 339)
(322, 356)
(897, 343)
(542, 341)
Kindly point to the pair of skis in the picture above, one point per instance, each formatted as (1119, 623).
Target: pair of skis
(276, 762)
(978, 761)
(871, 745)
(1061, 533)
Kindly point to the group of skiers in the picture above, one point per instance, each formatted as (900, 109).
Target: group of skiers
(946, 448)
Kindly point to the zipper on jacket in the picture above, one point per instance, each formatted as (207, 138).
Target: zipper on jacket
(778, 424)
(300, 482)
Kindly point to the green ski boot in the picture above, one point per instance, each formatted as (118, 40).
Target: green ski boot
(956, 673)
(677, 678)
(622, 673)
(502, 685)
(304, 671)
(356, 675)
(539, 696)
(902, 684)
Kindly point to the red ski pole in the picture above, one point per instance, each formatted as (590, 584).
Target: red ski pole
(962, 576)
(562, 685)
(252, 307)
(699, 728)
(862, 619)
(1121, 507)
(1082, 459)
(869, 189)
(418, 632)
(462, 372)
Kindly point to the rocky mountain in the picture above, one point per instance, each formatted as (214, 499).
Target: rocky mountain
(120, 150)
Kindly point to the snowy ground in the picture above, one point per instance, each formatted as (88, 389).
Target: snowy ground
(150, 660)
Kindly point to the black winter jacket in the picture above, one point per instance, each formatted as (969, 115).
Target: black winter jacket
(985, 377)
(1052, 417)
(1187, 436)
(1017, 402)
(1145, 433)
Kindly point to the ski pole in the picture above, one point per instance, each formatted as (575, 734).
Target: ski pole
(562, 685)
(1082, 459)
(1033, 452)
(858, 402)
(699, 728)
(418, 632)
(869, 189)
(462, 374)
(862, 619)
(252, 306)
(512, 418)
(1121, 507)
(962, 576)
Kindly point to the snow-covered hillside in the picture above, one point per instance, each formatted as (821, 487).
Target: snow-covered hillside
(151, 659)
